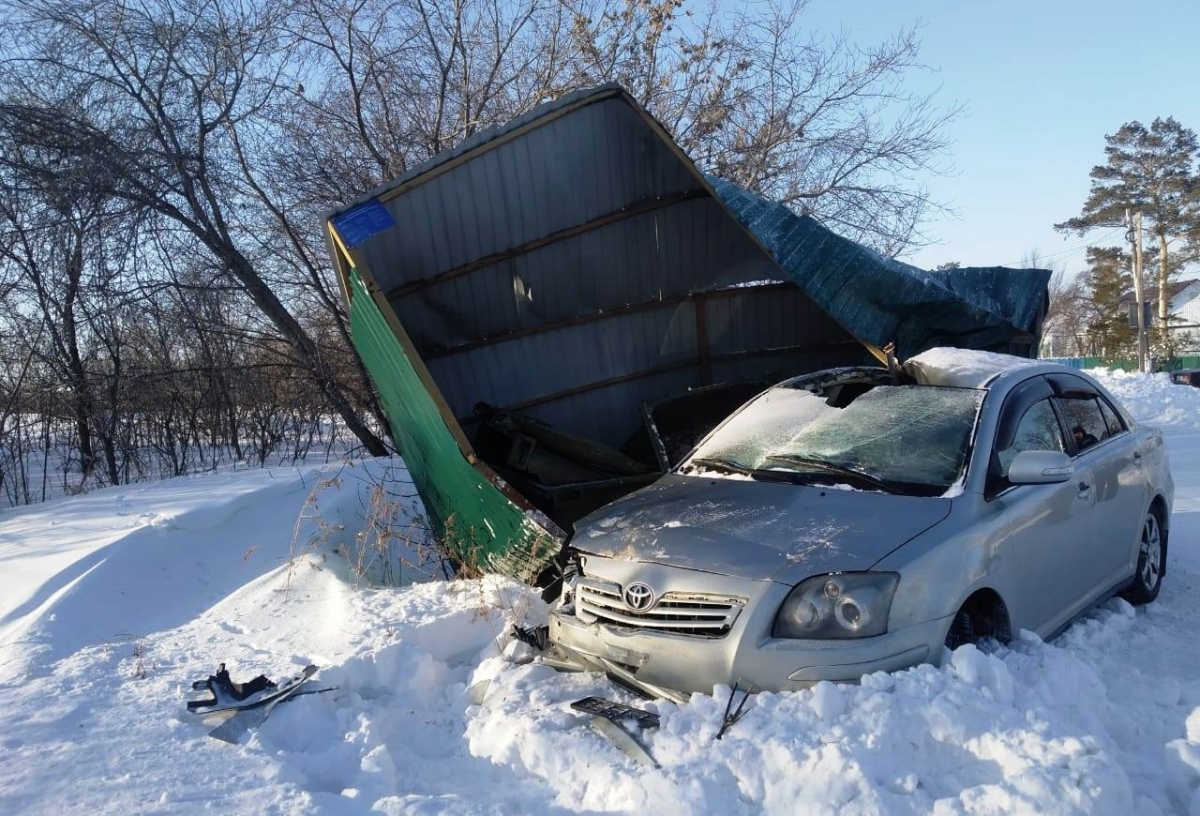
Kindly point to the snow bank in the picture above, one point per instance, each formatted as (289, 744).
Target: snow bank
(1152, 398)
(124, 561)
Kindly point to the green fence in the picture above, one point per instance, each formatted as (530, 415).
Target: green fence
(1128, 363)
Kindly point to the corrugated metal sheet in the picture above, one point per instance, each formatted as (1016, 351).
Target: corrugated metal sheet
(661, 254)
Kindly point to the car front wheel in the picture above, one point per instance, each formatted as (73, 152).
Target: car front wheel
(1151, 555)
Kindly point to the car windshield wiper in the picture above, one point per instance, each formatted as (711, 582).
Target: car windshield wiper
(723, 465)
(772, 475)
(760, 474)
(834, 467)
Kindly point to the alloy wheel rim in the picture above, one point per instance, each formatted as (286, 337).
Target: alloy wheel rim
(1151, 552)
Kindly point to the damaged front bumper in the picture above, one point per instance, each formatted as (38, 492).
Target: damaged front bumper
(661, 659)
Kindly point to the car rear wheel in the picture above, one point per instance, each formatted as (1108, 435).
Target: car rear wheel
(1151, 556)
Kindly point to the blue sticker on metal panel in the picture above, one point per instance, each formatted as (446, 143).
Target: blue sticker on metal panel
(360, 223)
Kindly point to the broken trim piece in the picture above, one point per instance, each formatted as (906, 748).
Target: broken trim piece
(626, 676)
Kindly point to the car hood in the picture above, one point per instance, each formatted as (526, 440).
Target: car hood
(756, 530)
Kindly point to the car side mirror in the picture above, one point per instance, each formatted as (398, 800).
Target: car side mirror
(1040, 467)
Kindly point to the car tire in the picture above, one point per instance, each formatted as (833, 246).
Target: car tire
(1152, 552)
(962, 630)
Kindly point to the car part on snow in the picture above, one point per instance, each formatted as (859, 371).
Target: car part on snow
(230, 696)
(221, 685)
(732, 715)
(607, 718)
(617, 712)
(478, 692)
(536, 636)
(236, 727)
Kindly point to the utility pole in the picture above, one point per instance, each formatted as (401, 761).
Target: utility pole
(1134, 236)
(1143, 329)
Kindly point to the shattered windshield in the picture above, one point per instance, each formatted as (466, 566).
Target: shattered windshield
(903, 439)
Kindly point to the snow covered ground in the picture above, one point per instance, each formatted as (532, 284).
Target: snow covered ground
(113, 602)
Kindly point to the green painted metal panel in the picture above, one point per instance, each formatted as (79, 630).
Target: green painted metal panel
(467, 511)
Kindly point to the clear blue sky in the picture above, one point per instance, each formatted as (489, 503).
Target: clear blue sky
(1043, 83)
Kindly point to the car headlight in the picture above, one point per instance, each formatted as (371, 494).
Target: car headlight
(840, 605)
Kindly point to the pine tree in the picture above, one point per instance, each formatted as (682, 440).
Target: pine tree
(1108, 278)
(1152, 171)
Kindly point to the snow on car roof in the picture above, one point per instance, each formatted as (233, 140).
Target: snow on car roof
(961, 368)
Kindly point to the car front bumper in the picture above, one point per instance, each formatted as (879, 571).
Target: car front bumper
(747, 654)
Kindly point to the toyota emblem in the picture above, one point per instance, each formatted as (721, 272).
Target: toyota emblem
(639, 597)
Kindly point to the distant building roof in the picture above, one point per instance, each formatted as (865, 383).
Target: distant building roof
(1151, 292)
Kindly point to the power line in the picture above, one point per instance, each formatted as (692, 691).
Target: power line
(1069, 250)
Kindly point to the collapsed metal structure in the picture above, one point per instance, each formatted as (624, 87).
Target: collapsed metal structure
(557, 310)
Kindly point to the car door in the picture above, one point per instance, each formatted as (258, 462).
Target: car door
(1101, 444)
(1046, 522)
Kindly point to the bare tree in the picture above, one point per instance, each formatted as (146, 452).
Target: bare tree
(136, 101)
(818, 123)
(1072, 310)
(59, 248)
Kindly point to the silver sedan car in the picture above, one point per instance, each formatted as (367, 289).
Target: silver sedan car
(857, 520)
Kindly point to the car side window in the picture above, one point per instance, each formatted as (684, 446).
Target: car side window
(1037, 430)
(1111, 418)
(1083, 419)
